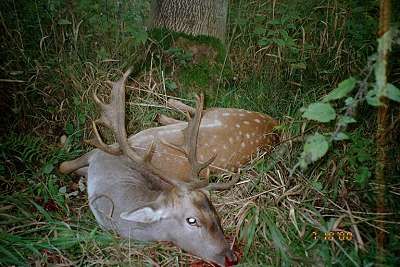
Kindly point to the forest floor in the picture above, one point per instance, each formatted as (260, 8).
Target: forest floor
(279, 57)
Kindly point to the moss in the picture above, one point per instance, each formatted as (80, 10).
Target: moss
(166, 38)
(197, 61)
(196, 77)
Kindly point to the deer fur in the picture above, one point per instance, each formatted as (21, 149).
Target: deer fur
(233, 135)
(138, 205)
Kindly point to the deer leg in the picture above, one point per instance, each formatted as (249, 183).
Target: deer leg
(82, 171)
(76, 164)
(165, 120)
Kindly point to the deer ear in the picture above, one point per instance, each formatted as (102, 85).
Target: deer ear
(146, 214)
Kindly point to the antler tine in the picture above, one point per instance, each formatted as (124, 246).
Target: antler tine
(191, 136)
(97, 141)
(178, 105)
(205, 185)
(113, 117)
(223, 186)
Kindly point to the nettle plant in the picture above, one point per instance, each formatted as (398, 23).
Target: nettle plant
(332, 107)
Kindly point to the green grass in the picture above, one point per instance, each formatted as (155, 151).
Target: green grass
(277, 59)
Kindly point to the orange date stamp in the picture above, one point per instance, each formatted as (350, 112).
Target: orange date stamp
(332, 235)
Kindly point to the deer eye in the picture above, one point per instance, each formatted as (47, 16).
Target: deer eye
(192, 221)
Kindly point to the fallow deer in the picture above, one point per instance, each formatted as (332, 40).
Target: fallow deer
(233, 135)
(131, 196)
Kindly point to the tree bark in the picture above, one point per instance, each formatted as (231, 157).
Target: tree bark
(195, 17)
(381, 140)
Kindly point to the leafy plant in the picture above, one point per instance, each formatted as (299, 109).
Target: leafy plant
(248, 231)
(316, 146)
(275, 32)
(21, 149)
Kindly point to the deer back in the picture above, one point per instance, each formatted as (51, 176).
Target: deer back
(233, 135)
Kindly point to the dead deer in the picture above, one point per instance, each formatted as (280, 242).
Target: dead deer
(131, 196)
(233, 135)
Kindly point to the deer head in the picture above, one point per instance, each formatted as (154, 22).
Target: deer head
(128, 194)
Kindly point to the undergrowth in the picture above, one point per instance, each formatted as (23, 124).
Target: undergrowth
(279, 57)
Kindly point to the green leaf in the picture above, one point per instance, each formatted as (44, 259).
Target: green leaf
(275, 22)
(102, 53)
(372, 98)
(315, 148)
(48, 168)
(340, 136)
(344, 120)
(140, 36)
(317, 185)
(342, 90)
(170, 85)
(362, 155)
(284, 33)
(280, 42)
(69, 128)
(278, 239)
(263, 42)
(259, 18)
(363, 175)
(249, 230)
(392, 92)
(81, 118)
(349, 101)
(322, 112)
(259, 30)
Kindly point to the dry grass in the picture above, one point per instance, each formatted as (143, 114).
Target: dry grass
(293, 198)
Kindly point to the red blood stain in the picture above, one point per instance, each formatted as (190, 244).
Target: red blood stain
(237, 249)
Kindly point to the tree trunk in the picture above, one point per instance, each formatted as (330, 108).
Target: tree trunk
(195, 17)
(381, 140)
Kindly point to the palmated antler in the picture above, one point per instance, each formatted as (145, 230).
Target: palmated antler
(113, 117)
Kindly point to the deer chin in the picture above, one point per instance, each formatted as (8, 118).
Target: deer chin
(230, 258)
(220, 261)
(226, 258)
